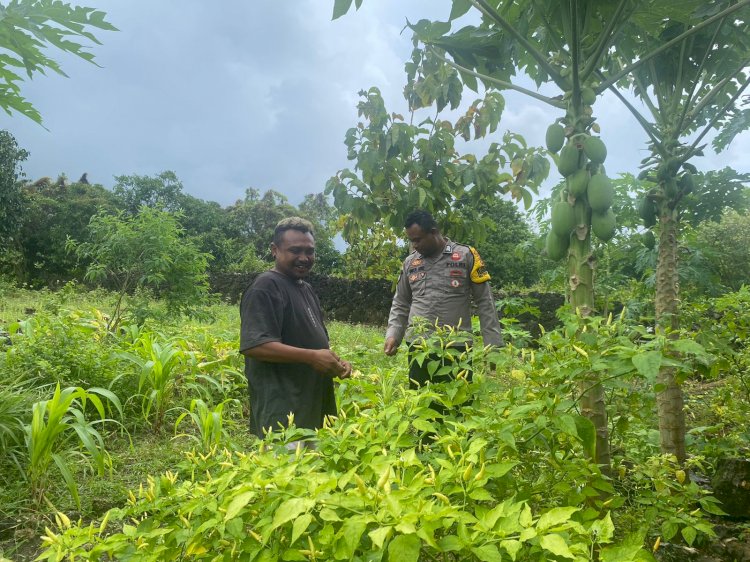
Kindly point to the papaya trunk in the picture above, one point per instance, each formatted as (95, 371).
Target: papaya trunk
(581, 265)
(669, 399)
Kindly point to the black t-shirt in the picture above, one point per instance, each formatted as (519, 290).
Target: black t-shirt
(278, 308)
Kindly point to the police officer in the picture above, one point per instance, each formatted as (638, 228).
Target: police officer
(438, 281)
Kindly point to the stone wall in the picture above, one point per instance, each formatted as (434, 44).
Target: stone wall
(368, 302)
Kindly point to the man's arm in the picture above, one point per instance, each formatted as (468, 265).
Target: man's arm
(399, 315)
(324, 361)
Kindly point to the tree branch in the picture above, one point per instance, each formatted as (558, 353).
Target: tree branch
(694, 86)
(604, 42)
(552, 32)
(540, 58)
(716, 118)
(645, 97)
(575, 53)
(709, 97)
(627, 70)
(502, 83)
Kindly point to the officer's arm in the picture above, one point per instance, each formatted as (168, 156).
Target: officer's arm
(481, 293)
(399, 316)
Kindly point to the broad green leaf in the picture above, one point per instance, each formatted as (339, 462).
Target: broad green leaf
(487, 553)
(688, 346)
(327, 514)
(404, 548)
(340, 7)
(300, 526)
(603, 529)
(689, 533)
(621, 553)
(238, 503)
(459, 8)
(587, 434)
(290, 509)
(567, 423)
(512, 547)
(450, 543)
(349, 537)
(647, 363)
(378, 536)
(555, 517)
(556, 545)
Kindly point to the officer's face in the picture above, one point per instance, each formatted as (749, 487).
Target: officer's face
(295, 254)
(427, 243)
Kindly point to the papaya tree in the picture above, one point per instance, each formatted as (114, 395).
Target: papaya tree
(568, 44)
(689, 87)
(27, 28)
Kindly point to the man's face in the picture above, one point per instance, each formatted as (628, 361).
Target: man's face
(295, 254)
(428, 243)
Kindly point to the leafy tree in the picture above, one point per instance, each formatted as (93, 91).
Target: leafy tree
(316, 208)
(727, 244)
(377, 254)
(713, 193)
(27, 27)
(507, 251)
(161, 192)
(145, 251)
(400, 166)
(251, 222)
(53, 214)
(11, 198)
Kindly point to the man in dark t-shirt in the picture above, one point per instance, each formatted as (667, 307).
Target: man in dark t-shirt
(288, 363)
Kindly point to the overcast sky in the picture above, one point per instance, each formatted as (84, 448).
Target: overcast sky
(237, 94)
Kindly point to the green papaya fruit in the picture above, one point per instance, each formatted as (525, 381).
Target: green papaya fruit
(648, 239)
(556, 246)
(644, 174)
(670, 188)
(578, 182)
(588, 96)
(555, 137)
(563, 218)
(647, 211)
(595, 149)
(601, 193)
(603, 225)
(673, 164)
(568, 161)
(686, 183)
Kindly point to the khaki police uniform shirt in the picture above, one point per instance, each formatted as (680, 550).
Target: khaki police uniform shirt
(440, 289)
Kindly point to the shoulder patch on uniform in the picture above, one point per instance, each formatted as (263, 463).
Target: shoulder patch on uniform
(479, 272)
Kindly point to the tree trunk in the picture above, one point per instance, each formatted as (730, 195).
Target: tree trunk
(581, 264)
(669, 399)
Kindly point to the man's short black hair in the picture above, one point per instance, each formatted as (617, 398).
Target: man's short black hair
(422, 219)
(291, 223)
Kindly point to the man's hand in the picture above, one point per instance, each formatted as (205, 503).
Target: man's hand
(326, 362)
(347, 370)
(390, 347)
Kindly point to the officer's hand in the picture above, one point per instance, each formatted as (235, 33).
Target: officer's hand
(390, 347)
